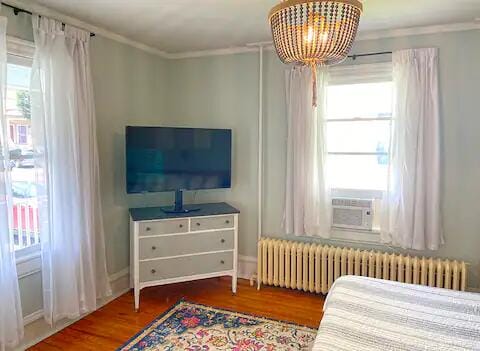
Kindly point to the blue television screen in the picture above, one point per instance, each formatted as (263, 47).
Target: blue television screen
(169, 159)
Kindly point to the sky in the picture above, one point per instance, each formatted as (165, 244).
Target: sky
(18, 76)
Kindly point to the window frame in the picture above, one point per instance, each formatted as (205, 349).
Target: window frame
(357, 74)
(21, 52)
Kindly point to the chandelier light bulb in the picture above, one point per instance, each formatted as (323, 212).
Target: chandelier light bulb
(310, 35)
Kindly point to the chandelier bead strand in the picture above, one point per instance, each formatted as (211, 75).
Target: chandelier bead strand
(314, 32)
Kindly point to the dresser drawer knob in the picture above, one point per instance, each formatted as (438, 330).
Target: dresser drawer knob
(198, 224)
(222, 241)
(154, 248)
(222, 262)
(153, 271)
(180, 226)
(148, 229)
(227, 221)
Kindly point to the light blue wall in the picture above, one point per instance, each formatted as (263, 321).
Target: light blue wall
(129, 89)
(194, 83)
(216, 92)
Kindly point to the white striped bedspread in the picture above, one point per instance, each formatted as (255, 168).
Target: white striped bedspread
(372, 314)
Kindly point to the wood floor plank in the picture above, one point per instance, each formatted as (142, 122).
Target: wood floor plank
(114, 324)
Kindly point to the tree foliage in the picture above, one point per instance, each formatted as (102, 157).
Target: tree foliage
(23, 103)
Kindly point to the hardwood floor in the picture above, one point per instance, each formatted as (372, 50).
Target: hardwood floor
(111, 326)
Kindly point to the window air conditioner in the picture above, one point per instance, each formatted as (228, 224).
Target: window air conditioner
(352, 213)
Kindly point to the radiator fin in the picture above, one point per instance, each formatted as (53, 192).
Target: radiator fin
(315, 267)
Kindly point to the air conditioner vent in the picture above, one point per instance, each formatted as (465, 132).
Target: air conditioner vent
(352, 213)
(352, 203)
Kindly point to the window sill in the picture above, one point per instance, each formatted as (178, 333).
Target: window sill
(357, 193)
(29, 261)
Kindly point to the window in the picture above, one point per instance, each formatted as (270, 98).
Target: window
(359, 123)
(24, 223)
(22, 134)
(359, 116)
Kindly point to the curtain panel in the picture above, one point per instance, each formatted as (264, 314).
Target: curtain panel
(411, 206)
(11, 320)
(307, 201)
(64, 135)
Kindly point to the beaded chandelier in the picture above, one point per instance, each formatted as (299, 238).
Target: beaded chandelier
(314, 32)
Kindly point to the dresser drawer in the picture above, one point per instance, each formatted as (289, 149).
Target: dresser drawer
(221, 222)
(185, 266)
(163, 227)
(185, 244)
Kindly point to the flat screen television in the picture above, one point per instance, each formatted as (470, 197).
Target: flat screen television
(175, 159)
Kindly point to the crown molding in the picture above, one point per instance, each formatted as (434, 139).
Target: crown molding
(380, 34)
(405, 32)
(47, 12)
(215, 52)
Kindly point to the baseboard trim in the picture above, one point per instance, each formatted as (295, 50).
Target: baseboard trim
(247, 266)
(39, 330)
(32, 317)
(120, 274)
(114, 280)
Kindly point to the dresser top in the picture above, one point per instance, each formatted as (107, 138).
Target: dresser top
(151, 213)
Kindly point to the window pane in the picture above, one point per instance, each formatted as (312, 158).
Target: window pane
(24, 189)
(369, 100)
(357, 172)
(18, 76)
(367, 136)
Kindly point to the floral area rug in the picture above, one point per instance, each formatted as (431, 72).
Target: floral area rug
(193, 327)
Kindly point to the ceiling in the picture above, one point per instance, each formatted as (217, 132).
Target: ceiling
(178, 26)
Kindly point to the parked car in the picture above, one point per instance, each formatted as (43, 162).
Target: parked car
(24, 189)
(22, 158)
(15, 153)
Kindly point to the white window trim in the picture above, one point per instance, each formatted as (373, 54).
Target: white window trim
(357, 74)
(29, 261)
(360, 119)
(21, 52)
(357, 193)
(355, 235)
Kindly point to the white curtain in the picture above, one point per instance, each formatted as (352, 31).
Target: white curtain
(411, 213)
(63, 129)
(11, 321)
(308, 201)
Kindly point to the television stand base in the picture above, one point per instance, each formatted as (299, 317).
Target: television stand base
(179, 208)
(185, 209)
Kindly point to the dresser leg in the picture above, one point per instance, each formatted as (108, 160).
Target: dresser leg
(137, 299)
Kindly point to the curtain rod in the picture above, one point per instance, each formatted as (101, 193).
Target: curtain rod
(355, 56)
(17, 10)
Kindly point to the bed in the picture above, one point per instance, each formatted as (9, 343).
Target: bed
(372, 314)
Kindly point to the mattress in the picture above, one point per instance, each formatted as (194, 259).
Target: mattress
(372, 314)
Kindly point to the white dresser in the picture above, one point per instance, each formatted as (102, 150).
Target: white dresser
(170, 248)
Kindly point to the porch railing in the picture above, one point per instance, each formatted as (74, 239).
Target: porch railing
(25, 226)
